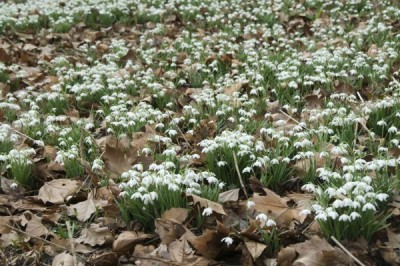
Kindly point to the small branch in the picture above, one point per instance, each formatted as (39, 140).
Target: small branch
(5, 258)
(41, 239)
(168, 262)
(359, 96)
(183, 136)
(240, 176)
(285, 114)
(347, 251)
(18, 132)
(71, 242)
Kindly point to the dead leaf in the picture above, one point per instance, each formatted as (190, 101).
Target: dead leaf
(58, 190)
(205, 203)
(393, 239)
(84, 210)
(208, 244)
(116, 160)
(169, 230)
(33, 224)
(96, 235)
(236, 87)
(230, 195)
(275, 206)
(313, 252)
(389, 255)
(127, 240)
(7, 185)
(64, 259)
(255, 248)
(176, 214)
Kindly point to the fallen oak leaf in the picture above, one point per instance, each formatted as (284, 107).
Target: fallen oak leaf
(33, 223)
(169, 230)
(230, 195)
(58, 190)
(276, 207)
(255, 248)
(84, 210)
(95, 235)
(313, 252)
(65, 259)
(176, 214)
(127, 240)
(205, 203)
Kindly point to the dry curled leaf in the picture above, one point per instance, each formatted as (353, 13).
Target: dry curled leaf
(313, 252)
(255, 248)
(176, 214)
(64, 259)
(276, 207)
(205, 203)
(230, 195)
(58, 190)
(84, 210)
(127, 240)
(96, 235)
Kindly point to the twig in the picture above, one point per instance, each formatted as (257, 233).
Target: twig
(359, 96)
(71, 242)
(41, 239)
(156, 259)
(347, 251)
(18, 132)
(183, 136)
(5, 257)
(282, 112)
(240, 176)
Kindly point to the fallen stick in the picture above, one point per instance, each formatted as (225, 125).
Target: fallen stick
(347, 251)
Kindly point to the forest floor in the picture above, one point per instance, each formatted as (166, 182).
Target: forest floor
(205, 132)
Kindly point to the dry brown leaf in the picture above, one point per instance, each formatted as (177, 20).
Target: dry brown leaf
(176, 214)
(313, 101)
(58, 190)
(205, 203)
(236, 87)
(29, 203)
(255, 248)
(230, 195)
(8, 188)
(127, 240)
(277, 208)
(84, 210)
(389, 255)
(104, 258)
(33, 224)
(64, 259)
(313, 252)
(393, 239)
(95, 235)
(116, 160)
(5, 223)
(179, 250)
(169, 230)
(208, 244)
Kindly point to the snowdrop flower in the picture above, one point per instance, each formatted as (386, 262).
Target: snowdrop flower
(368, 206)
(263, 218)
(207, 212)
(354, 215)
(382, 196)
(250, 204)
(344, 218)
(305, 212)
(228, 240)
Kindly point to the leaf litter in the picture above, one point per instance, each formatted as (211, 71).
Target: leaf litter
(33, 228)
